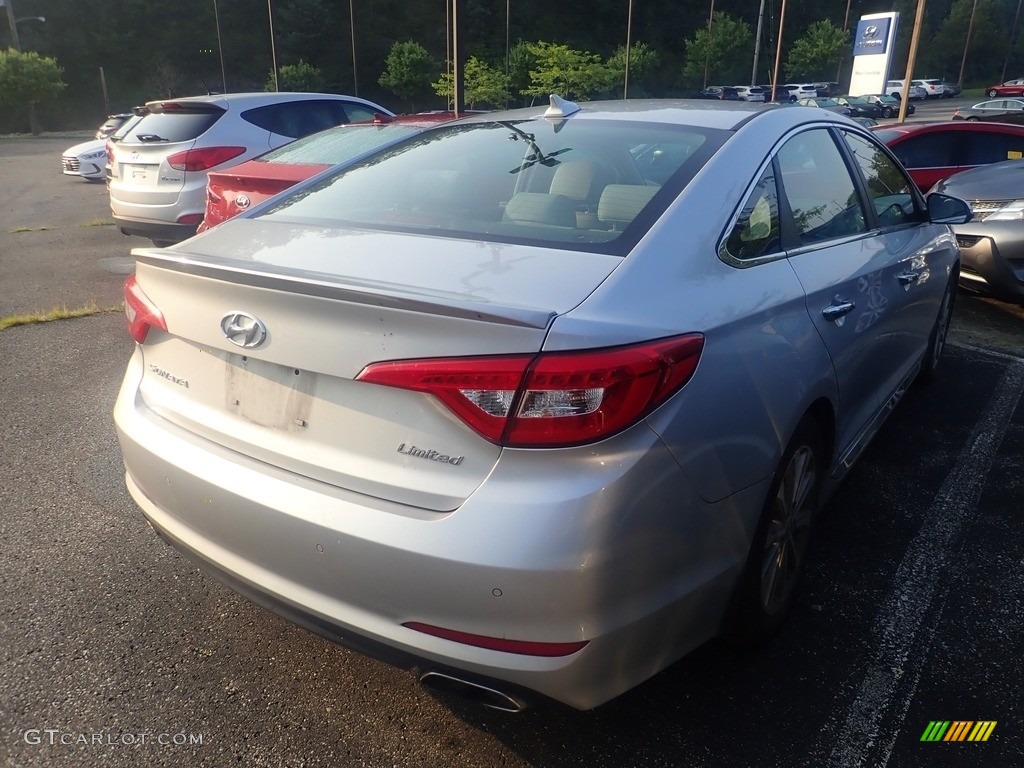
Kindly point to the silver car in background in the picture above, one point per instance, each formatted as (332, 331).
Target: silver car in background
(537, 402)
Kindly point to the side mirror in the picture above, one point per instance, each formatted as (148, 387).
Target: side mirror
(943, 209)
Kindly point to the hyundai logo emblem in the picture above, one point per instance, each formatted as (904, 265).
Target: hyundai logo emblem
(870, 31)
(243, 329)
(242, 202)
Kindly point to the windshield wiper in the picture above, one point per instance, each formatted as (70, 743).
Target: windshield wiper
(149, 137)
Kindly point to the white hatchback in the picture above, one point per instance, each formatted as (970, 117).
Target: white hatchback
(159, 168)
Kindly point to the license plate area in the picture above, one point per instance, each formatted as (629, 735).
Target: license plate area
(268, 394)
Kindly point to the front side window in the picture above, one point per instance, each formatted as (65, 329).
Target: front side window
(595, 185)
(820, 191)
(888, 186)
(925, 150)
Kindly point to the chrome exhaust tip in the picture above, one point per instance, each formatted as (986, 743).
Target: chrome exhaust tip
(475, 693)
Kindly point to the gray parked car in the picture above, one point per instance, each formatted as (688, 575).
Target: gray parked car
(992, 243)
(536, 402)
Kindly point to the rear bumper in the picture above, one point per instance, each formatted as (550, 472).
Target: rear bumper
(157, 231)
(992, 257)
(616, 550)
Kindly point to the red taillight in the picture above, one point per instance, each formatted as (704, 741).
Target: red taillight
(140, 312)
(202, 159)
(522, 647)
(110, 152)
(555, 398)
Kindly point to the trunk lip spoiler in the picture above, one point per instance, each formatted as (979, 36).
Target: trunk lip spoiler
(368, 293)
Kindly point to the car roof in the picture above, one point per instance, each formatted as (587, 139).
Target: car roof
(241, 100)
(722, 115)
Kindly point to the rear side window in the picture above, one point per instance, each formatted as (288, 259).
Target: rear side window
(929, 150)
(173, 126)
(985, 148)
(301, 118)
(819, 188)
(756, 232)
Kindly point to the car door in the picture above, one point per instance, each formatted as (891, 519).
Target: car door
(847, 272)
(918, 251)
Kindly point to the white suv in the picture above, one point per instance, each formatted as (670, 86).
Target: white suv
(159, 169)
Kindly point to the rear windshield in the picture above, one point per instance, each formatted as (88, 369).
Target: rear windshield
(172, 126)
(336, 145)
(587, 185)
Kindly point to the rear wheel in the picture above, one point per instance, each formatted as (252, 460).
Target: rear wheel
(972, 119)
(777, 554)
(937, 340)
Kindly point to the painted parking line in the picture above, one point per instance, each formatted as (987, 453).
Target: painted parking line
(863, 734)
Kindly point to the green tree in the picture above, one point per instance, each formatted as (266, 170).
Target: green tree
(26, 79)
(817, 53)
(301, 77)
(520, 62)
(565, 72)
(643, 62)
(481, 83)
(408, 71)
(986, 49)
(722, 55)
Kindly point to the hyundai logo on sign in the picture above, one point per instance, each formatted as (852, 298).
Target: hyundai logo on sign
(872, 37)
(243, 329)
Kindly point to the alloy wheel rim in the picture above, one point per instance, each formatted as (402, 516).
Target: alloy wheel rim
(788, 529)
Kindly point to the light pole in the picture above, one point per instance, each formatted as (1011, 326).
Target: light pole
(629, 35)
(352, 27)
(273, 49)
(967, 42)
(220, 49)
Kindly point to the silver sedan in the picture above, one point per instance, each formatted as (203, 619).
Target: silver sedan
(537, 402)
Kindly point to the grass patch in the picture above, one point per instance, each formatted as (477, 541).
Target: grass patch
(19, 230)
(99, 223)
(57, 313)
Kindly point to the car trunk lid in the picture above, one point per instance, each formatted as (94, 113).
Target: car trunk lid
(329, 303)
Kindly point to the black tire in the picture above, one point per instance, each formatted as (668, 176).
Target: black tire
(972, 119)
(939, 334)
(992, 93)
(778, 551)
(888, 112)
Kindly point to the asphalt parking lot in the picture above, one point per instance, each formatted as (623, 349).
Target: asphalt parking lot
(115, 651)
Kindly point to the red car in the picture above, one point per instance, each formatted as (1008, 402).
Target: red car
(235, 189)
(1009, 88)
(933, 151)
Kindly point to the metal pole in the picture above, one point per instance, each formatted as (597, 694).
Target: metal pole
(967, 43)
(912, 58)
(106, 99)
(707, 59)
(846, 26)
(1009, 45)
(757, 45)
(629, 36)
(778, 52)
(352, 26)
(220, 49)
(14, 25)
(273, 49)
(456, 69)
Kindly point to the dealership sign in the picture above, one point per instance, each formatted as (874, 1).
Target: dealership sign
(872, 52)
